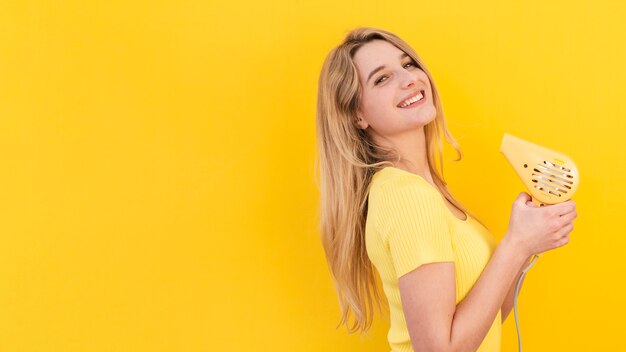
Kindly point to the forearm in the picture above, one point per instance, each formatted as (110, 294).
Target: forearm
(475, 314)
(508, 301)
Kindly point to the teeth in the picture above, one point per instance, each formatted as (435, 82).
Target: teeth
(408, 102)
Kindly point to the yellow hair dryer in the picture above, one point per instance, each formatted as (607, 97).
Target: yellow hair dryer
(550, 177)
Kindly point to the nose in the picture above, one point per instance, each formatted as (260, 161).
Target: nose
(409, 79)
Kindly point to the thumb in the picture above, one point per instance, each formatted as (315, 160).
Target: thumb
(531, 204)
(522, 198)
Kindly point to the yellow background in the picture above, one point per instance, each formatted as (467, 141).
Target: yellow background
(157, 165)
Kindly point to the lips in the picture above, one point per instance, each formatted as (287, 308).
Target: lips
(411, 99)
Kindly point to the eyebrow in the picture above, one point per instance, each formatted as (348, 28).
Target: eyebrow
(402, 56)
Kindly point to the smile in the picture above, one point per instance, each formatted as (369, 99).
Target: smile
(412, 100)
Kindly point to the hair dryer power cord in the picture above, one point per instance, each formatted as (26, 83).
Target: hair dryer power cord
(517, 286)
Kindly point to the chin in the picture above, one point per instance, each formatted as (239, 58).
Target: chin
(427, 115)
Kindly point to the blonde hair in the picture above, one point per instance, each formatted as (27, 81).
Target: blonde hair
(346, 161)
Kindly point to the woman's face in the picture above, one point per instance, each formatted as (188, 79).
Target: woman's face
(396, 95)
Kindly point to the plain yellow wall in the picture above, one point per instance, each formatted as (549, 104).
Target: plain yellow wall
(157, 165)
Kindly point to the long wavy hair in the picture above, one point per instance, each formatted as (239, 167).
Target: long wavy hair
(346, 160)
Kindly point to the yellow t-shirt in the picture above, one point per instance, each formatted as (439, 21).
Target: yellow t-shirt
(408, 224)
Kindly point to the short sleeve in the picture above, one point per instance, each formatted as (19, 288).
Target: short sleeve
(413, 219)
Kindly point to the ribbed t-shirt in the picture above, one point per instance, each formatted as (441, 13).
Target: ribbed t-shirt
(408, 224)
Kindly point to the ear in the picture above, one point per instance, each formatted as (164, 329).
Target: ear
(360, 122)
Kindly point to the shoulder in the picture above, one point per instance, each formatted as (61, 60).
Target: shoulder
(392, 186)
(410, 219)
(400, 200)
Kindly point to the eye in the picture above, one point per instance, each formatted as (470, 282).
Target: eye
(380, 79)
(406, 66)
(412, 63)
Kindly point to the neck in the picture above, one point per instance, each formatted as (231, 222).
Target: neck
(411, 148)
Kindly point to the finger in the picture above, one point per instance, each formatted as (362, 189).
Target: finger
(531, 204)
(565, 230)
(565, 207)
(563, 241)
(523, 197)
(569, 217)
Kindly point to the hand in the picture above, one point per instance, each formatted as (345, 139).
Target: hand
(535, 229)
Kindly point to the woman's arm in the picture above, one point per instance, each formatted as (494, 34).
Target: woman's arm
(508, 301)
(436, 323)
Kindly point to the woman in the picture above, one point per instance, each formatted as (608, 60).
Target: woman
(387, 214)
